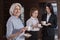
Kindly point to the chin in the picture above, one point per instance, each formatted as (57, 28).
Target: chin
(18, 14)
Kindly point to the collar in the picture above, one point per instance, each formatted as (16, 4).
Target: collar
(49, 14)
(15, 17)
(33, 18)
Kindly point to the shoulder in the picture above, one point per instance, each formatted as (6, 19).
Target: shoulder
(44, 14)
(11, 19)
(29, 20)
(54, 15)
(9, 22)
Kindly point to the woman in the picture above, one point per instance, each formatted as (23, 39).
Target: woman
(15, 27)
(33, 22)
(49, 22)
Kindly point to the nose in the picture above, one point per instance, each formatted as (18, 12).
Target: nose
(17, 10)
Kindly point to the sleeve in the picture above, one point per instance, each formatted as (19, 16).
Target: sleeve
(22, 34)
(38, 20)
(42, 17)
(29, 23)
(9, 26)
(55, 22)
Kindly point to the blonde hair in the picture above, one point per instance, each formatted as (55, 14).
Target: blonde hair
(13, 7)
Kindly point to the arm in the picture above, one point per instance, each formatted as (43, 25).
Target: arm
(29, 23)
(9, 26)
(53, 22)
(9, 29)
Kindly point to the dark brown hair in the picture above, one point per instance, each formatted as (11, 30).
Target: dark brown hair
(50, 7)
(32, 10)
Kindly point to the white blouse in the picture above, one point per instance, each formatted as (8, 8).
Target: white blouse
(48, 17)
(32, 21)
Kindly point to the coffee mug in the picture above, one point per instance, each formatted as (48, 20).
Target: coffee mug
(43, 22)
(28, 28)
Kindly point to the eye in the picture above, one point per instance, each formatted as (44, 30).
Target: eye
(19, 9)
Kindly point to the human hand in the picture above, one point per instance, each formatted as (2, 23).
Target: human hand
(35, 25)
(12, 36)
(47, 24)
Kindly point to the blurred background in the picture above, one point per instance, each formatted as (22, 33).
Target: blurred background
(27, 4)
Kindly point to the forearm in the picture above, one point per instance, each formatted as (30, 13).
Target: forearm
(12, 36)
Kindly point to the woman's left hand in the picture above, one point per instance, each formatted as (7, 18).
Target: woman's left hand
(49, 24)
(35, 26)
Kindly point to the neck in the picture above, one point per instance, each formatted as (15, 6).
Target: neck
(48, 13)
(34, 17)
(16, 16)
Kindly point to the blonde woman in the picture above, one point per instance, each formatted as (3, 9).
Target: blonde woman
(15, 27)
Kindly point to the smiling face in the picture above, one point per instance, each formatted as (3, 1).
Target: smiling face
(35, 14)
(17, 11)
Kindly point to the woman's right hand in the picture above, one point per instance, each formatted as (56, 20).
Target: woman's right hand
(35, 25)
(12, 36)
(24, 29)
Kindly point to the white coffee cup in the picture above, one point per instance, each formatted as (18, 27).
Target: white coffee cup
(39, 25)
(27, 35)
(43, 22)
(28, 28)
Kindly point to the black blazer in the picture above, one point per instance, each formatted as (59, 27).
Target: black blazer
(52, 20)
(49, 30)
